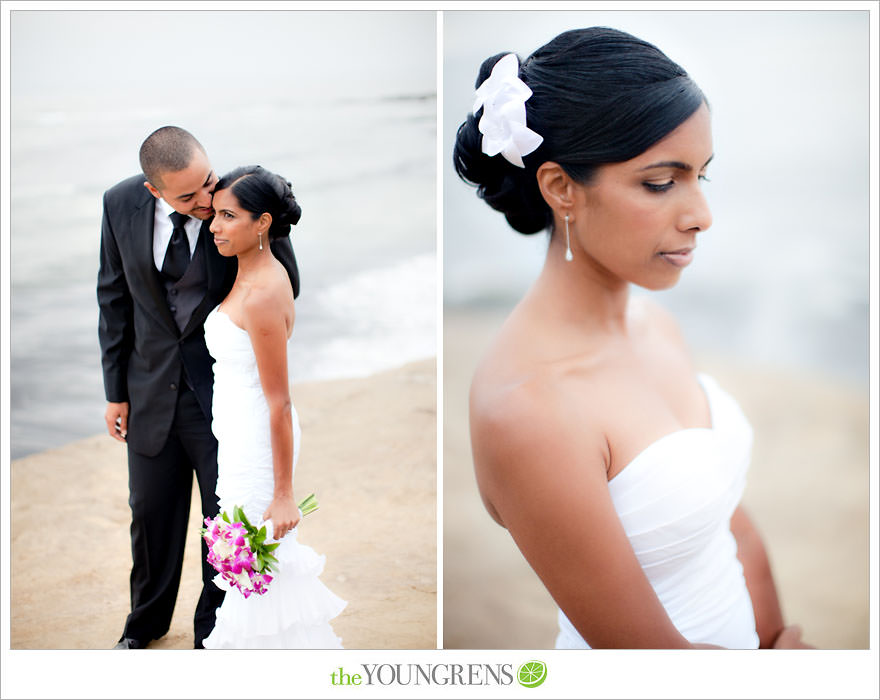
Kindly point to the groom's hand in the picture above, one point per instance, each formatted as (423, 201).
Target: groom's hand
(116, 417)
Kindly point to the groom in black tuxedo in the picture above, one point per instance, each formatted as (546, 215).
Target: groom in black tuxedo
(160, 275)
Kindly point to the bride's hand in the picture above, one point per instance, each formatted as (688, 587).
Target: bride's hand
(790, 638)
(284, 514)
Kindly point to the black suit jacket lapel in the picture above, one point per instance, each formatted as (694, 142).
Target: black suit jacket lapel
(142, 235)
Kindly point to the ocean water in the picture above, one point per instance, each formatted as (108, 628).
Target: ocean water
(358, 147)
(343, 104)
(781, 279)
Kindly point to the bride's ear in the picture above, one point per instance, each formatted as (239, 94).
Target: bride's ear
(556, 185)
(265, 220)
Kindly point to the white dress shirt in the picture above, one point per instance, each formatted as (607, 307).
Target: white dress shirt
(162, 228)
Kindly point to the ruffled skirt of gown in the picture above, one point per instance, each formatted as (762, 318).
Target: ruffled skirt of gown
(294, 613)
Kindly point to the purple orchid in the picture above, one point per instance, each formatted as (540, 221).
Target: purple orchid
(242, 560)
(238, 551)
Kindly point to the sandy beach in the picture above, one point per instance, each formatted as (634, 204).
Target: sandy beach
(807, 493)
(369, 454)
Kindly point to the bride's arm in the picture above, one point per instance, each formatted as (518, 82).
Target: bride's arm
(750, 550)
(542, 471)
(268, 333)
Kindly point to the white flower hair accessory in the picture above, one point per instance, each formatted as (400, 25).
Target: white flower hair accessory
(503, 98)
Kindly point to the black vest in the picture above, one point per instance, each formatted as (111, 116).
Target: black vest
(187, 293)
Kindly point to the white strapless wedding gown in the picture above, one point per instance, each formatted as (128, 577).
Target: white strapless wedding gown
(295, 611)
(675, 500)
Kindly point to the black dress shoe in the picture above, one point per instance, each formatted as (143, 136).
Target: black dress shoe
(129, 643)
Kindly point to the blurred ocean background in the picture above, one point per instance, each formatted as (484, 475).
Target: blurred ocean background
(782, 277)
(341, 103)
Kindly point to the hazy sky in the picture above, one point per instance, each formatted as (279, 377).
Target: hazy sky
(208, 53)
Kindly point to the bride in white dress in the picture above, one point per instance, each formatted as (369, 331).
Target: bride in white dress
(616, 468)
(255, 421)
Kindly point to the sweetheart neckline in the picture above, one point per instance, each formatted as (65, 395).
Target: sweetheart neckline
(229, 318)
(701, 377)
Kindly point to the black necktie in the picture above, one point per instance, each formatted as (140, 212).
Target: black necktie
(177, 254)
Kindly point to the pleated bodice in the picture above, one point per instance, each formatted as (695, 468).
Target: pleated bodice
(675, 500)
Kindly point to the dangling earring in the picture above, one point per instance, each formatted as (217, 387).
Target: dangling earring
(260, 234)
(568, 255)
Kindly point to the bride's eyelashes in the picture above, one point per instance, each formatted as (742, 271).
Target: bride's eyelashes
(665, 186)
(654, 187)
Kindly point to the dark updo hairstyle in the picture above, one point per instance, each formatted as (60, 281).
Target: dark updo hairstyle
(599, 96)
(259, 191)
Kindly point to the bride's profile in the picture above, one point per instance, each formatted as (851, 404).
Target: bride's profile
(254, 419)
(613, 463)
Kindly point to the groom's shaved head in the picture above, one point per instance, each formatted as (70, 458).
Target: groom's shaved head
(168, 149)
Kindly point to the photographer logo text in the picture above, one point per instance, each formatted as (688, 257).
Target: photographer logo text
(529, 675)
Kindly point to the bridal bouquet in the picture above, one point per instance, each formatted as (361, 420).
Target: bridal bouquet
(238, 550)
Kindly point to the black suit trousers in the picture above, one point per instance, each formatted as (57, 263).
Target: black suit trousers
(160, 489)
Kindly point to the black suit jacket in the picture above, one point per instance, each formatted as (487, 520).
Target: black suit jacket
(141, 346)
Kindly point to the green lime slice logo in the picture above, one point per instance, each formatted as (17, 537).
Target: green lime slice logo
(531, 674)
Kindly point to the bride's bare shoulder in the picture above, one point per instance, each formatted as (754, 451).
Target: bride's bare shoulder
(504, 396)
(532, 372)
(508, 382)
(268, 295)
(530, 420)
